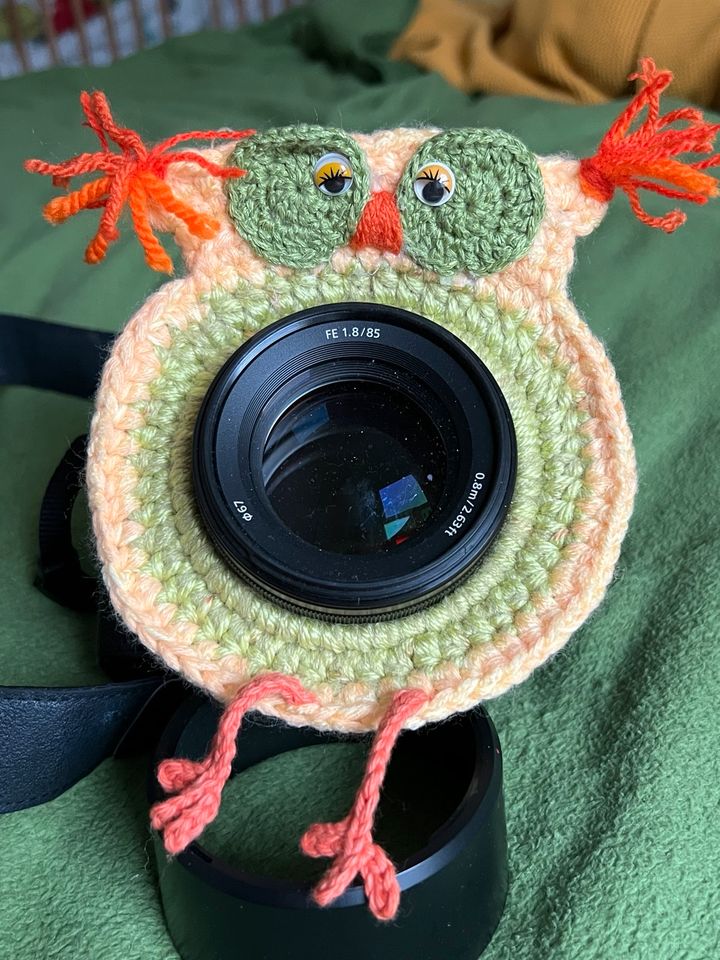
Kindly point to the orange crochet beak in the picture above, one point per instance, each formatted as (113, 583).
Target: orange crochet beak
(379, 224)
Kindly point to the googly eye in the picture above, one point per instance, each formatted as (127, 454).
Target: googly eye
(333, 175)
(434, 184)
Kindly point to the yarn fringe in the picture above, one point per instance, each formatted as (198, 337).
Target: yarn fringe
(645, 158)
(349, 842)
(132, 177)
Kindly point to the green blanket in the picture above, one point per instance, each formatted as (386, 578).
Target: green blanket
(611, 749)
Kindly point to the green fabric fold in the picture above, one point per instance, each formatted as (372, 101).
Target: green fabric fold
(611, 757)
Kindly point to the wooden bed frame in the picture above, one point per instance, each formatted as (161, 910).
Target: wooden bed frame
(101, 31)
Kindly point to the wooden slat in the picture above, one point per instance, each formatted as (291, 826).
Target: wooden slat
(165, 18)
(110, 28)
(138, 24)
(79, 17)
(16, 36)
(267, 10)
(215, 14)
(49, 30)
(241, 13)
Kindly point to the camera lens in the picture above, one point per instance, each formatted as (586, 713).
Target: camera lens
(353, 461)
(355, 467)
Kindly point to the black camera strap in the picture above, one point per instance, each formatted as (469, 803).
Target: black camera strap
(51, 737)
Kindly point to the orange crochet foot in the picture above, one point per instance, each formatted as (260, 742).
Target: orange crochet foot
(350, 841)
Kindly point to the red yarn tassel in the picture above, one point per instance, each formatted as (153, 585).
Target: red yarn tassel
(350, 841)
(626, 159)
(198, 785)
(133, 177)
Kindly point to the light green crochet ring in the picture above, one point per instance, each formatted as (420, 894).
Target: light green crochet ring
(575, 481)
(466, 228)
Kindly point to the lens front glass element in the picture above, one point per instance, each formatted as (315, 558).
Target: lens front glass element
(355, 467)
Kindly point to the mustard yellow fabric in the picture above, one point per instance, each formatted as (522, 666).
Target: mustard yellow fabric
(566, 50)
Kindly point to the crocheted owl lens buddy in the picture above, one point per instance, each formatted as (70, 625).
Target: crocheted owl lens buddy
(357, 311)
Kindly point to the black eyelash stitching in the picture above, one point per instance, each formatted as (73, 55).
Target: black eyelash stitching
(432, 177)
(334, 177)
(435, 175)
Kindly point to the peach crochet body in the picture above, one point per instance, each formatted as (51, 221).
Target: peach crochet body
(556, 553)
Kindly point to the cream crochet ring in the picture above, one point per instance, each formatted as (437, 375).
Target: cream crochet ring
(271, 223)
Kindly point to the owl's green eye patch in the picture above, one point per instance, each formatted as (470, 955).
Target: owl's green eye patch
(302, 195)
(496, 201)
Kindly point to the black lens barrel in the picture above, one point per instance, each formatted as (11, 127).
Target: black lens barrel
(354, 461)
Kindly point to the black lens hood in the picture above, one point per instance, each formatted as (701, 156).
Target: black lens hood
(354, 342)
(453, 888)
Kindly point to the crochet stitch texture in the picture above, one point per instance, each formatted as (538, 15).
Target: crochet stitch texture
(496, 209)
(276, 206)
(552, 560)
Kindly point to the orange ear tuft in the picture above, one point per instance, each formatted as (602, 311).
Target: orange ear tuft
(641, 159)
(134, 176)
